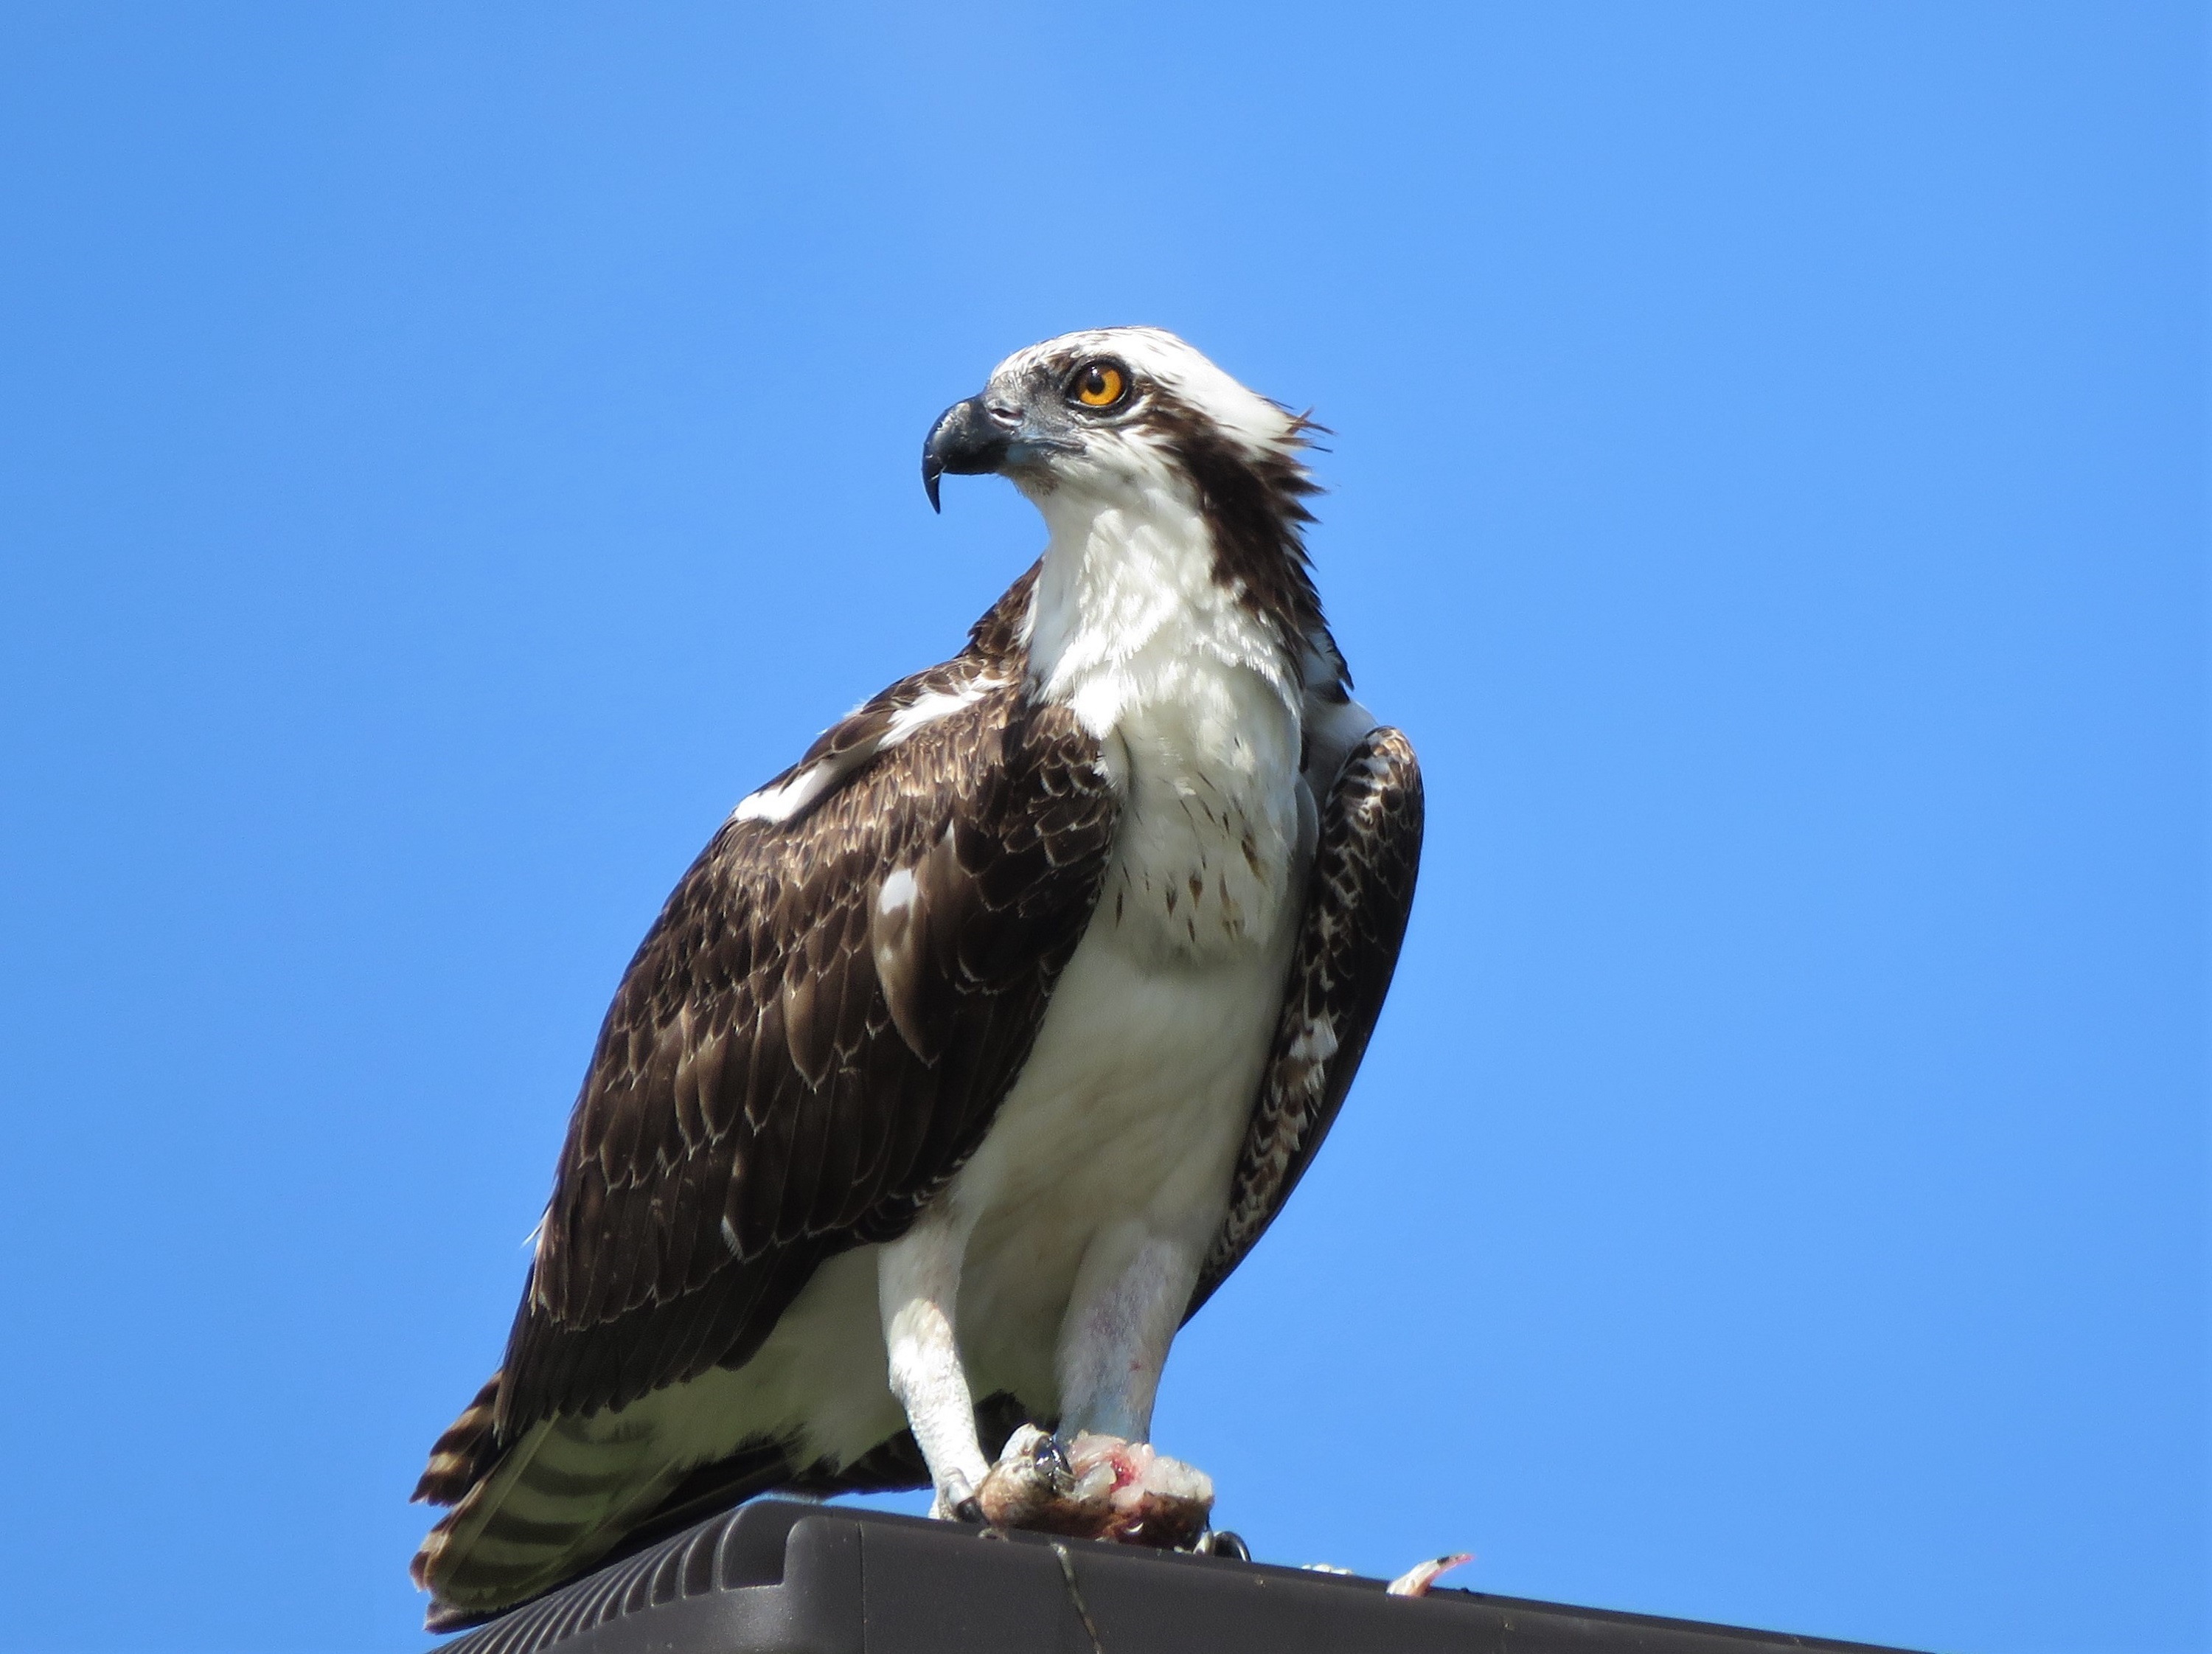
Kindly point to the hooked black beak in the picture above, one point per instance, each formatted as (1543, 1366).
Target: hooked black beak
(965, 441)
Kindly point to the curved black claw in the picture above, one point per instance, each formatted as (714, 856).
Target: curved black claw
(1219, 1541)
(1050, 1459)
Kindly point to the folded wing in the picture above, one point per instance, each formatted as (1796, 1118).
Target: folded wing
(1357, 898)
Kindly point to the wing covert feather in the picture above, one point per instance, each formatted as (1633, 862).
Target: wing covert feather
(789, 1068)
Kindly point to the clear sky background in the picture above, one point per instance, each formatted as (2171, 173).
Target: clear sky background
(449, 453)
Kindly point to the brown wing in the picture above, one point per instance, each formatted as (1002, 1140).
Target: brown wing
(1357, 898)
(813, 1037)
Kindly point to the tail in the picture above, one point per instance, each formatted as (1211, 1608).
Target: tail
(572, 1492)
(460, 1458)
(462, 1462)
(565, 1495)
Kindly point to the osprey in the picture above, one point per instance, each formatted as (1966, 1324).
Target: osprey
(980, 1044)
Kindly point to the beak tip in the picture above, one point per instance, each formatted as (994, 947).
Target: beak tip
(966, 442)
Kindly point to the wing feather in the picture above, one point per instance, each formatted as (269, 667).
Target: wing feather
(785, 1073)
(1358, 897)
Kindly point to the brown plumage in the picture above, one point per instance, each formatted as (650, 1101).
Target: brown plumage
(783, 1073)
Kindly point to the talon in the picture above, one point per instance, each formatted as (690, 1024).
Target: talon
(955, 1499)
(1220, 1542)
(1095, 1488)
(1050, 1459)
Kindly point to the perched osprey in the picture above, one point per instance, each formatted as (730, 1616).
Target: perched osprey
(982, 1042)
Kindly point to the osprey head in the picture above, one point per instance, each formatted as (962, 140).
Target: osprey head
(1107, 411)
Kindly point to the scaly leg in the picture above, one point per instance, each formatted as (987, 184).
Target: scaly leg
(1099, 1476)
(1128, 1300)
(918, 1287)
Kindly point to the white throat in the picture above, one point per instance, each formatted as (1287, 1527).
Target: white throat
(1196, 709)
(1127, 593)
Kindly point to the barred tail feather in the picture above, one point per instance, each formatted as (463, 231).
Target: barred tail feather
(561, 1498)
(466, 1454)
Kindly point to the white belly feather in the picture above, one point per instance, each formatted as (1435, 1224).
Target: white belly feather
(1127, 1119)
(1134, 1103)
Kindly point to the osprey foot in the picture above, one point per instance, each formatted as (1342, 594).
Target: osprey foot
(1095, 1488)
(956, 1499)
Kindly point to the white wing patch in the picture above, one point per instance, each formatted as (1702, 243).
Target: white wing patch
(1317, 1042)
(897, 893)
(788, 800)
(780, 804)
(936, 704)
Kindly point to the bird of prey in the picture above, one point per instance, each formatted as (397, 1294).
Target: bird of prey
(980, 1044)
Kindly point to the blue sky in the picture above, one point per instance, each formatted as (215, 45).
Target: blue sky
(448, 453)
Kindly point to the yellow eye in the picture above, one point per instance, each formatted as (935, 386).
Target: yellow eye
(1100, 385)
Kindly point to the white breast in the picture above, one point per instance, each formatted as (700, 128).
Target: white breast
(1189, 696)
(1136, 1096)
(1208, 837)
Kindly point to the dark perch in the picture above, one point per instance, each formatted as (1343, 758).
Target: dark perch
(777, 1576)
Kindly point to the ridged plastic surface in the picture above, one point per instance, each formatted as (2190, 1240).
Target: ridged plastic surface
(779, 1578)
(738, 1550)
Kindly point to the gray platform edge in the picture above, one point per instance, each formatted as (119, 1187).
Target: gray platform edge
(781, 1577)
